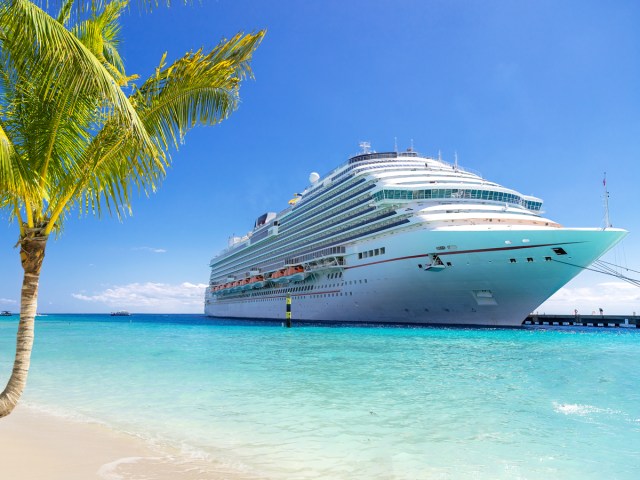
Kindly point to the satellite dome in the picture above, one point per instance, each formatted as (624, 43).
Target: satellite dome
(314, 177)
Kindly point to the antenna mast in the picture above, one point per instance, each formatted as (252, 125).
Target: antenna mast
(366, 147)
(607, 222)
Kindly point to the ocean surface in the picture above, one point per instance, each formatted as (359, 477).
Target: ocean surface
(349, 402)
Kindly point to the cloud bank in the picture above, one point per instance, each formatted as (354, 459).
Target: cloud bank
(150, 297)
(613, 297)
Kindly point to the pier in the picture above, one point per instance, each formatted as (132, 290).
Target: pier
(612, 321)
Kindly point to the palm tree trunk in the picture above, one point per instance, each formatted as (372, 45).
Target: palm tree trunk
(32, 245)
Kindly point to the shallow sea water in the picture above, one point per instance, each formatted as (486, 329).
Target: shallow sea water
(349, 403)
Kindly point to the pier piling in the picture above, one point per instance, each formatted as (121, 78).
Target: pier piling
(288, 314)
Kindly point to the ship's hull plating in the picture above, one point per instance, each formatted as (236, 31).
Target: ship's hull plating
(491, 277)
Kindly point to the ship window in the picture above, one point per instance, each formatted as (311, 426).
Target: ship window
(382, 251)
(377, 251)
(559, 251)
(512, 260)
(360, 255)
(547, 259)
(420, 265)
(529, 259)
(448, 264)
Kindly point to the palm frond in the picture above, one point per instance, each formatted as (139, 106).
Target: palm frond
(34, 38)
(65, 11)
(61, 94)
(196, 89)
(8, 180)
(101, 35)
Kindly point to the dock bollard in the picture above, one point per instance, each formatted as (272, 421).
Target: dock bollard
(288, 316)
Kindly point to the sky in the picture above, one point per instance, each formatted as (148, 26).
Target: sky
(540, 96)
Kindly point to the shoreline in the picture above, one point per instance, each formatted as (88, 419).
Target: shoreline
(37, 445)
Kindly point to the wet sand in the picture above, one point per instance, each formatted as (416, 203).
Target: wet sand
(38, 446)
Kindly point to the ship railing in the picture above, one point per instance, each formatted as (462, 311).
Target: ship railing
(318, 254)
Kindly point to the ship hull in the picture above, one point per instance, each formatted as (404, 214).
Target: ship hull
(484, 277)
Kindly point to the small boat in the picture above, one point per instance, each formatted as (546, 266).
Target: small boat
(246, 284)
(279, 276)
(296, 274)
(6, 313)
(120, 313)
(257, 281)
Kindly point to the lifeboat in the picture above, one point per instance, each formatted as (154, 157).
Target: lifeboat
(296, 273)
(257, 281)
(289, 274)
(280, 276)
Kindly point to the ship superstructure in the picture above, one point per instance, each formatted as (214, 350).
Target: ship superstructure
(397, 237)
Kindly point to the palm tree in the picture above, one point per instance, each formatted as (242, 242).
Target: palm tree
(77, 133)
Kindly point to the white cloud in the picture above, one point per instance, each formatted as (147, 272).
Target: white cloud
(151, 249)
(11, 301)
(613, 297)
(151, 297)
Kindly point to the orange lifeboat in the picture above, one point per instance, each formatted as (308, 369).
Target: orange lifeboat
(279, 276)
(296, 273)
(257, 281)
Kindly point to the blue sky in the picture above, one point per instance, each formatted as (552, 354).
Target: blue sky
(540, 96)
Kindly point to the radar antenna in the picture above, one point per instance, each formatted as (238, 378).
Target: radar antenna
(366, 147)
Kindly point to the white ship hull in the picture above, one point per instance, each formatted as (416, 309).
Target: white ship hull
(484, 276)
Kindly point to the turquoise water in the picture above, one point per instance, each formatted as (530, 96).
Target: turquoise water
(350, 403)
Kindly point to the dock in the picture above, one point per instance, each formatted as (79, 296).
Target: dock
(608, 321)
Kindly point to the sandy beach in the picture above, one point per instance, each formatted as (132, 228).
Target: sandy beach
(38, 446)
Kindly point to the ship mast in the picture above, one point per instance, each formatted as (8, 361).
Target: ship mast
(607, 222)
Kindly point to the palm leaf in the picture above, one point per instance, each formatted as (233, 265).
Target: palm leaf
(33, 38)
(196, 89)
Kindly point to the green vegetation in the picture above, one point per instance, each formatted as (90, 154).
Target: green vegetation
(72, 139)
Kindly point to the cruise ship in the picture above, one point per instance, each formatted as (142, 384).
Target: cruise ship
(397, 237)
